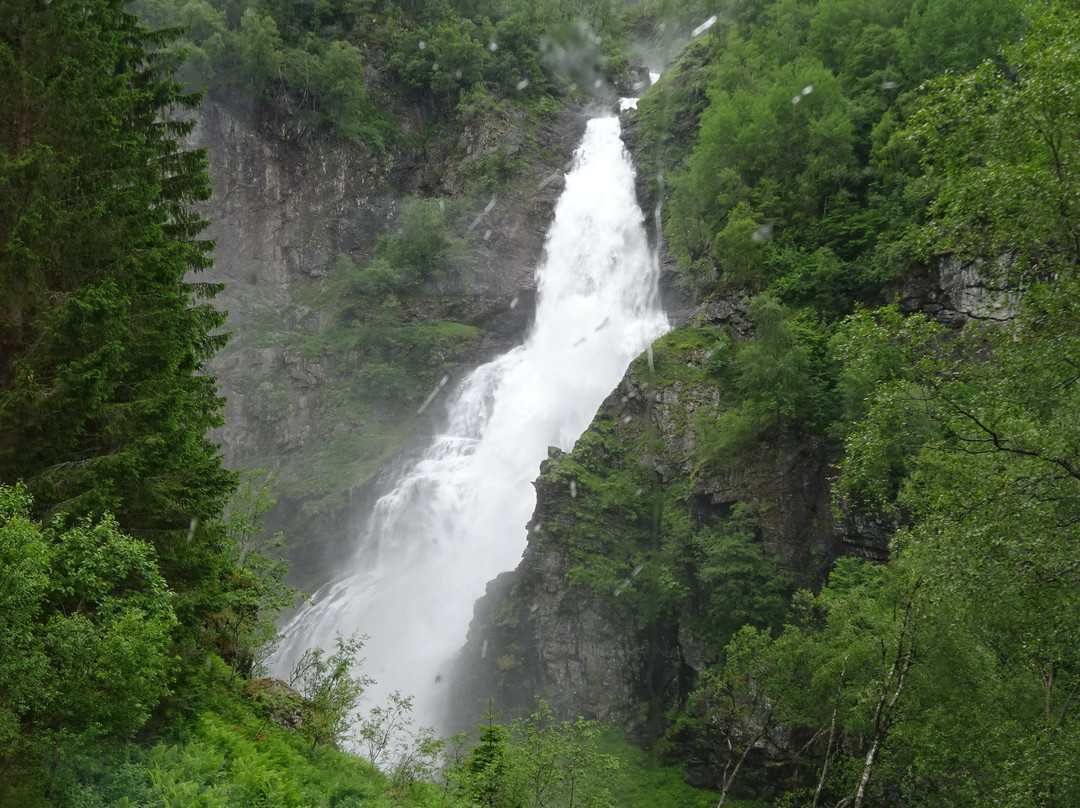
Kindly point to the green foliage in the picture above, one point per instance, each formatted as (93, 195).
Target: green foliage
(260, 50)
(988, 496)
(481, 776)
(231, 756)
(794, 138)
(1001, 150)
(641, 781)
(947, 674)
(775, 373)
(104, 403)
(842, 671)
(779, 380)
(741, 585)
(645, 556)
(534, 761)
(339, 85)
(256, 593)
(669, 111)
(385, 738)
(733, 702)
(307, 63)
(958, 635)
(950, 35)
(942, 677)
(333, 687)
(795, 181)
(738, 247)
(385, 349)
(421, 248)
(24, 582)
(87, 626)
(110, 632)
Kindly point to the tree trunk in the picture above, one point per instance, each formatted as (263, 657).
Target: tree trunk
(832, 736)
(882, 718)
(729, 779)
(886, 706)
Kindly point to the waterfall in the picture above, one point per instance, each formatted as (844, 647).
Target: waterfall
(456, 518)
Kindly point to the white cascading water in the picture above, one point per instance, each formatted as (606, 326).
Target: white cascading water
(457, 517)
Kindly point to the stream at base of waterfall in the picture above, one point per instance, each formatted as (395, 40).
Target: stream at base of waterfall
(455, 518)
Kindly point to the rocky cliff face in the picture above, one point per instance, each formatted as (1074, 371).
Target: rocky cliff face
(551, 629)
(954, 291)
(284, 209)
(585, 621)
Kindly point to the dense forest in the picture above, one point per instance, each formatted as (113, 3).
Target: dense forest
(871, 140)
(812, 159)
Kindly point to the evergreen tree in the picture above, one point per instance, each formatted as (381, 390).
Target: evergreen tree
(104, 406)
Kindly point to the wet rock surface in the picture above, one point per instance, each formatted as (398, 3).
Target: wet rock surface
(536, 633)
(286, 204)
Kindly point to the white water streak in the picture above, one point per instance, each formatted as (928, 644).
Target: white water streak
(457, 517)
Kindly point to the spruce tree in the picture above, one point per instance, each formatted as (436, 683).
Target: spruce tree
(104, 402)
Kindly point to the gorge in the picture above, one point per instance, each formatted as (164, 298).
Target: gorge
(721, 453)
(455, 518)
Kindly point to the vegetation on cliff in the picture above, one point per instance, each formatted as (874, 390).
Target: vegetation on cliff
(135, 586)
(842, 148)
(442, 104)
(816, 154)
(348, 65)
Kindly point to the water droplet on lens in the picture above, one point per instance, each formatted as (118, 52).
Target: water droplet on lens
(550, 178)
(435, 392)
(763, 233)
(705, 26)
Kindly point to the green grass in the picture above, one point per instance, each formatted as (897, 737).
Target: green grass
(229, 755)
(643, 782)
(681, 355)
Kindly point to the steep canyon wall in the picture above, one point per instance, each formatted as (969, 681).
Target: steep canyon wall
(284, 210)
(585, 621)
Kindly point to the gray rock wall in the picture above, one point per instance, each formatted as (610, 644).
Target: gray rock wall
(537, 634)
(284, 208)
